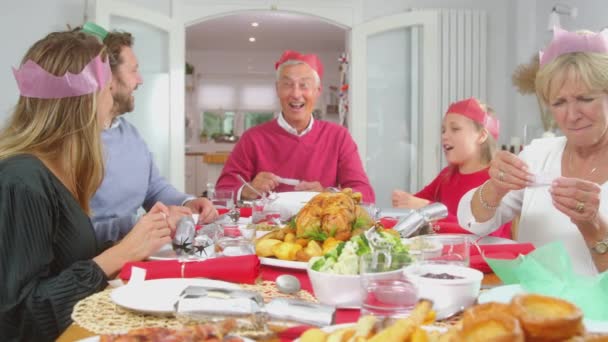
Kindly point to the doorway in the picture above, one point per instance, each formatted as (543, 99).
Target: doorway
(370, 43)
(230, 80)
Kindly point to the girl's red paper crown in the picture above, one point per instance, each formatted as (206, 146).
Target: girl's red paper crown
(472, 110)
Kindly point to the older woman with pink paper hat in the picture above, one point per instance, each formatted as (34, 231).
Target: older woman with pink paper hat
(558, 186)
(295, 151)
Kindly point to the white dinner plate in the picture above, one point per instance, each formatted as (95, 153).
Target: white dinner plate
(332, 328)
(503, 294)
(485, 240)
(296, 265)
(166, 252)
(289, 203)
(158, 296)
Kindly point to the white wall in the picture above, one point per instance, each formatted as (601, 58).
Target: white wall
(500, 44)
(510, 44)
(533, 35)
(23, 23)
(256, 68)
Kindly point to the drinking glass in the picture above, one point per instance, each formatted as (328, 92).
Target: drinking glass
(240, 231)
(222, 199)
(446, 249)
(203, 246)
(263, 211)
(227, 246)
(238, 239)
(387, 290)
(371, 209)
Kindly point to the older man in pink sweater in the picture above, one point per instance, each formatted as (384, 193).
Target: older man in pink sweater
(320, 154)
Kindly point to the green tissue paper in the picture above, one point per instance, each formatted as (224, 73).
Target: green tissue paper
(548, 271)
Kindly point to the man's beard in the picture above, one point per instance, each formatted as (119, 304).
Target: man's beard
(123, 103)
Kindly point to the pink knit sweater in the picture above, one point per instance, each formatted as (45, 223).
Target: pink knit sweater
(326, 154)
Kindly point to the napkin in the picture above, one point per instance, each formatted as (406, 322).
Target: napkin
(445, 227)
(499, 251)
(237, 269)
(244, 212)
(388, 222)
(293, 333)
(548, 271)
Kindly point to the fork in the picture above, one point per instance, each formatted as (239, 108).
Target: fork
(379, 246)
(271, 197)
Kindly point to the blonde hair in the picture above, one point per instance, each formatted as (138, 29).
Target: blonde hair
(66, 129)
(488, 147)
(590, 67)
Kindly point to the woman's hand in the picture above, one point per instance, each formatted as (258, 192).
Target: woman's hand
(508, 172)
(151, 232)
(147, 236)
(402, 199)
(175, 214)
(578, 199)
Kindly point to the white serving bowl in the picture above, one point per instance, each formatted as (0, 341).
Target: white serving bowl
(431, 248)
(339, 290)
(448, 295)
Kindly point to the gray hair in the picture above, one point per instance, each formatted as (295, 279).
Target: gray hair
(295, 62)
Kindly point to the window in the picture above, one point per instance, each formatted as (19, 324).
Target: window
(229, 123)
(254, 119)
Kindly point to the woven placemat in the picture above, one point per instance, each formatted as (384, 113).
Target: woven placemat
(98, 313)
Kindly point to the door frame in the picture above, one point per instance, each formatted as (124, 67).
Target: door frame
(344, 13)
(103, 10)
(183, 13)
(429, 150)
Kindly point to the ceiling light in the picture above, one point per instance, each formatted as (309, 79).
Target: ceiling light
(252, 39)
(255, 24)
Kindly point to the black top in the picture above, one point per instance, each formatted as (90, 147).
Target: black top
(46, 246)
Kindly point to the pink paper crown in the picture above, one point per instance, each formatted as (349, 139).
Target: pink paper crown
(33, 81)
(312, 60)
(472, 110)
(564, 42)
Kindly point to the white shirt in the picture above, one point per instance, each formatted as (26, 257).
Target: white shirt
(540, 222)
(286, 126)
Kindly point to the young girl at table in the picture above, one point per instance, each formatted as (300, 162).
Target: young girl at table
(51, 163)
(468, 135)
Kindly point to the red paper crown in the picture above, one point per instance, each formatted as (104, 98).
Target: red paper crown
(312, 60)
(472, 110)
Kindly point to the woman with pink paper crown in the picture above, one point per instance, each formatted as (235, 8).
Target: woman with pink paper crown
(468, 133)
(51, 163)
(557, 185)
(275, 155)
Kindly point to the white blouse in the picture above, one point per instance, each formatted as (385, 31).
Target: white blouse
(540, 222)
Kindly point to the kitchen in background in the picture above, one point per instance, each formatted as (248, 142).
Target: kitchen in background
(230, 80)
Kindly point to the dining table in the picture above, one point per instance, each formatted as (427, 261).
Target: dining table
(269, 273)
